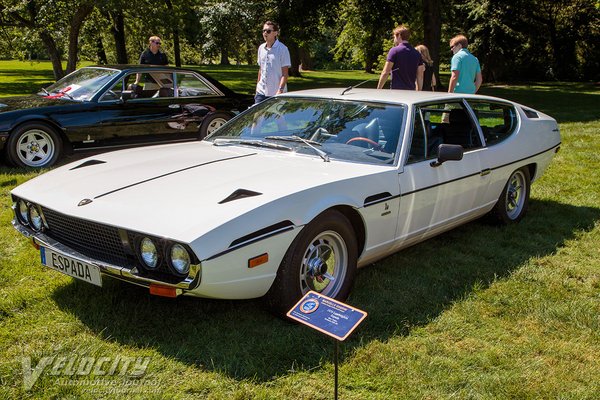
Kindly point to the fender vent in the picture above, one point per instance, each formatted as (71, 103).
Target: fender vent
(88, 164)
(239, 194)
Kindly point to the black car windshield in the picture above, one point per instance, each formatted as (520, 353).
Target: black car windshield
(82, 84)
(358, 131)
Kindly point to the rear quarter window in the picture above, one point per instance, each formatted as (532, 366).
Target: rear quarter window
(498, 121)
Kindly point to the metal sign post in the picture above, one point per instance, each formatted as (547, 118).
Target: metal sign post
(328, 316)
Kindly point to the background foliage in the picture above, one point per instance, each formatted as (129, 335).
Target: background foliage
(516, 40)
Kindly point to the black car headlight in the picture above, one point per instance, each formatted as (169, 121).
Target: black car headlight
(22, 212)
(148, 253)
(35, 218)
(179, 260)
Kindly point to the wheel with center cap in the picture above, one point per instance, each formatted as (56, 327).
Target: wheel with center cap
(34, 145)
(322, 259)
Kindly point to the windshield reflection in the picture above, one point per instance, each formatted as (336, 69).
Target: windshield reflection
(80, 85)
(344, 130)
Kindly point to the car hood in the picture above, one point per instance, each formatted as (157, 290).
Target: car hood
(26, 102)
(180, 191)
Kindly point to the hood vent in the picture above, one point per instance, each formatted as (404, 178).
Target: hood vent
(239, 194)
(88, 164)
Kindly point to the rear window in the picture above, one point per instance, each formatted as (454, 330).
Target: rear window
(497, 120)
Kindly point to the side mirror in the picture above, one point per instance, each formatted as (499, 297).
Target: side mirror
(448, 152)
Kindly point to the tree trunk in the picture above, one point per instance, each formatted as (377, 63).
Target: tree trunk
(50, 45)
(174, 23)
(224, 55)
(75, 27)
(305, 59)
(294, 58)
(371, 52)
(432, 29)
(176, 47)
(118, 31)
(100, 53)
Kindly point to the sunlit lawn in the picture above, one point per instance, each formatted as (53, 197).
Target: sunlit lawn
(481, 312)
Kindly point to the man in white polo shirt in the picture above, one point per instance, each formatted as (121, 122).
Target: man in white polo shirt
(274, 62)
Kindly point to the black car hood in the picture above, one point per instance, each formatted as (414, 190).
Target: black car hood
(30, 101)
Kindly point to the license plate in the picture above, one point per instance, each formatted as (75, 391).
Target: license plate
(71, 266)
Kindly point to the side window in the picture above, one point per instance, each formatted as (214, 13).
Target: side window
(441, 123)
(114, 93)
(147, 85)
(498, 121)
(189, 85)
(418, 145)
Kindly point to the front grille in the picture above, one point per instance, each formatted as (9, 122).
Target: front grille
(91, 239)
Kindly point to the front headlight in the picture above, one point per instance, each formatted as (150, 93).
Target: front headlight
(180, 259)
(148, 253)
(35, 218)
(22, 212)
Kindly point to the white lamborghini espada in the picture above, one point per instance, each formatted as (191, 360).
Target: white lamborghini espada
(291, 195)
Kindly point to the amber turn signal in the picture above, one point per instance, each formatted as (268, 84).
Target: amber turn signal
(258, 260)
(163, 291)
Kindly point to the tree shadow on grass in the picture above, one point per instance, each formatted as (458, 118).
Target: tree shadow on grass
(409, 289)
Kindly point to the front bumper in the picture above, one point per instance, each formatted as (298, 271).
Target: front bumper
(133, 275)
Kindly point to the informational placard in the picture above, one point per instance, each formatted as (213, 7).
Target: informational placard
(327, 315)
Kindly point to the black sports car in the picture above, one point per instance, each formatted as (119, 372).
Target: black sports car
(114, 106)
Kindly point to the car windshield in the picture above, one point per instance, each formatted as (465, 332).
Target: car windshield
(81, 85)
(331, 129)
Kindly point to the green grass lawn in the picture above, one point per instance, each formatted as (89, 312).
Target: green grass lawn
(481, 312)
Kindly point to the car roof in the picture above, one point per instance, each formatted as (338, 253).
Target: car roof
(137, 67)
(386, 95)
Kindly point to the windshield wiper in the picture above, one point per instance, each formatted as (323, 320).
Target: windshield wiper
(47, 93)
(309, 143)
(257, 143)
(68, 95)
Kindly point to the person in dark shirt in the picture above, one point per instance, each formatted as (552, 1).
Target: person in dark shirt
(403, 62)
(429, 82)
(152, 55)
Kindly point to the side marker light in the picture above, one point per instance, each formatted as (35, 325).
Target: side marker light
(258, 260)
(163, 291)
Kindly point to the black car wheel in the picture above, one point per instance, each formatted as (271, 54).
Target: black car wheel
(322, 259)
(33, 144)
(514, 199)
(213, 122)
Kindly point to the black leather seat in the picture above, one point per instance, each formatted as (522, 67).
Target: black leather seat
(459, 130)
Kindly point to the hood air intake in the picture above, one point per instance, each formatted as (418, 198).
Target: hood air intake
(239, 194)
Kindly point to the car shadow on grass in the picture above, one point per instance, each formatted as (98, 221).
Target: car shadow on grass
(407, 290)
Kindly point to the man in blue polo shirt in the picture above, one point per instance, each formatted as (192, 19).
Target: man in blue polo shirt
(466, 72)
(403, 62)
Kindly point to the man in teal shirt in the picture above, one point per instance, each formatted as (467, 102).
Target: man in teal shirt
(466, 72)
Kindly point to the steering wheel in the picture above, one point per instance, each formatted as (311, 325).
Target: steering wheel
(374, 144)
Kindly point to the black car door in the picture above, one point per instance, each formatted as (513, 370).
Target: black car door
(145, 111)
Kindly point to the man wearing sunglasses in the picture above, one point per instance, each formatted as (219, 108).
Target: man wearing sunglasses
(274, 63)
(153, 55)
(466, 72)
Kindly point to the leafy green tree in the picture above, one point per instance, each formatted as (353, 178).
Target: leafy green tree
(46, 19)
(229, 28)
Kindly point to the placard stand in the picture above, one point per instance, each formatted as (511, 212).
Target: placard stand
(328, 316)
(335, 362)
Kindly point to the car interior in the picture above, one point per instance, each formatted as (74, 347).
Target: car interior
(444, 123)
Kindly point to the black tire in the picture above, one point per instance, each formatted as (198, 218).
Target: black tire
(33, 145)
(212, 122)
(514, 199)
(326, 248)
